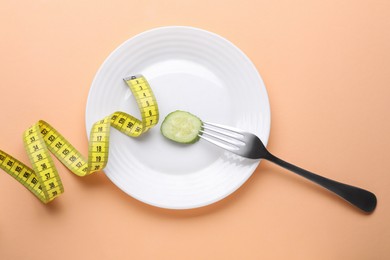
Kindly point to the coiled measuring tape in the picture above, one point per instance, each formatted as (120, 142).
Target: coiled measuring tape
(43, 179)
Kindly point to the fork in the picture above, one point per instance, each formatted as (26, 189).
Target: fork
(250, 146)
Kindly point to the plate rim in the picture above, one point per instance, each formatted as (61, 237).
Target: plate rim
(231, 44)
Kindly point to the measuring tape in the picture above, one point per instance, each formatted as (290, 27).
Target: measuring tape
(43, 179)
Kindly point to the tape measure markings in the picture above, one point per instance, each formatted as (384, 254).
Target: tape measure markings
(41, 139)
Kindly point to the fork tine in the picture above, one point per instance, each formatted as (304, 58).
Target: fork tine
(223, 134)
(226, 129)
(231, 148)
(223, 138)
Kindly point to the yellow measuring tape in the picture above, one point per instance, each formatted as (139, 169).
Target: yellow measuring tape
(43, 179)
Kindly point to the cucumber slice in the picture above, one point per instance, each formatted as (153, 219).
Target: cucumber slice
(181, 127)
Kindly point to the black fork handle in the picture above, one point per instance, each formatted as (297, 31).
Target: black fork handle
(358, 197)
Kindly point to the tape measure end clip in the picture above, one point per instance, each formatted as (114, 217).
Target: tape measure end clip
(132, 77)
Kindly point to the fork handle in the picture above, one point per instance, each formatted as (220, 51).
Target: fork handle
(358, 197)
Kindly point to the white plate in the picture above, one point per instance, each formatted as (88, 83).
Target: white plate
(188, 69)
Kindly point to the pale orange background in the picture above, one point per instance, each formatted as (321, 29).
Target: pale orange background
(326, 65)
